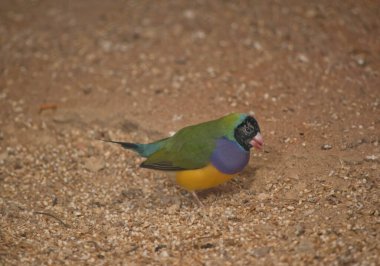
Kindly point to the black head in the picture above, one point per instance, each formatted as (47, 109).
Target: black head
(247, 134)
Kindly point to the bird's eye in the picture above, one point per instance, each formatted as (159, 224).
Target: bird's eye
(247, 129)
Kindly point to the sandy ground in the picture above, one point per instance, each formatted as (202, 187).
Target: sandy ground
(75, 71)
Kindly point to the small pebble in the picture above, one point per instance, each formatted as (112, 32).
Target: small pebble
(290, 208)
(371, 158)
(87, 90)
(305, 246)
(326, 147)
(300, 230)
(260, 252)
(94, 164)
(3, 156)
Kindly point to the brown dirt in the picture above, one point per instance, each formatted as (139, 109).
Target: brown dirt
(74, 71)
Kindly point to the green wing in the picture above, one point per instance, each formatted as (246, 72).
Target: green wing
(182, 153)
(191, 147)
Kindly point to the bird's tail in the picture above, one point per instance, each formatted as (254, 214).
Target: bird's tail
(128, 145)
(144, 150)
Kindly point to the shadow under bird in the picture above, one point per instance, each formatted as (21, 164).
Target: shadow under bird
(203, 155)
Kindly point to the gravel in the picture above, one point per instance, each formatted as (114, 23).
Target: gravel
(135, 70)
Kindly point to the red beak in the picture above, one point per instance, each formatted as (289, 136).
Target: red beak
(257, 141)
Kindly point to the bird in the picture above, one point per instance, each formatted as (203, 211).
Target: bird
(204, 155)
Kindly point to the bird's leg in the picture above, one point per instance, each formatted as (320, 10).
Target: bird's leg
(200, 204)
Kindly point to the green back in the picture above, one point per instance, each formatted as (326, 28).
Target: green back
(192, 146)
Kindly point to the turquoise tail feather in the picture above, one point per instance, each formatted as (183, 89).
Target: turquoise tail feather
(144, 150)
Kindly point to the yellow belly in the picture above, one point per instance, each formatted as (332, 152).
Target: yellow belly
(203, 178)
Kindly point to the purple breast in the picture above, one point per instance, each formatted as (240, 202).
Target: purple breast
(229, 157)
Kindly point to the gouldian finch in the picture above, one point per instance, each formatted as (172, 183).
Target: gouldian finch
(203, 155)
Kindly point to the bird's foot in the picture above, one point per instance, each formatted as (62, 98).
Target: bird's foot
(200, 204)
